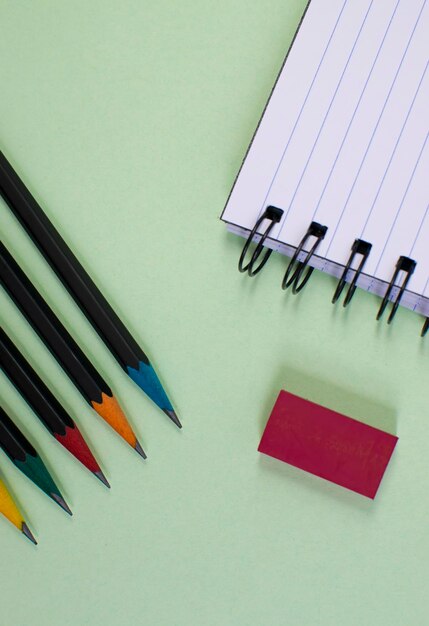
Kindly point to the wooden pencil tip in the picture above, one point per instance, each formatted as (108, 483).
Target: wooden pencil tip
(139, 449)
(102, 477)
(63, 504)
(27, 532)
(172, 415)
(112, 413)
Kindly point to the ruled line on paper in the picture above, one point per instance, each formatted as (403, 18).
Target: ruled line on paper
(304, 103)
(373, 134)
(401, 204)
(343, 73)
(419, 231)
(397, 143)
(355, 110)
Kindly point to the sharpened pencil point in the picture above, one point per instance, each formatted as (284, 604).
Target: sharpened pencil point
(27, 532)
(112, 413)
(172, 415)
(140, 450)
(146, 378)
(102, 477)
(63, 504)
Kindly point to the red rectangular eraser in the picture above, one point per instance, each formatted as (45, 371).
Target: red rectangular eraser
(327, 444)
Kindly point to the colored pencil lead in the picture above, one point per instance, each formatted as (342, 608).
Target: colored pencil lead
(110, 410)
(73, 441)
(58, 340)
(145, 377)
(35, 470)
(11, 512)
(44, 404)
(102, 477)
(140, 450)
(63, 504)
(27, 532)
(82, 288)
(172, 415)
(26, 458)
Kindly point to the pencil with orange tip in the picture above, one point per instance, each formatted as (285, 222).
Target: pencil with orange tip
(11, 512)
(64, 348)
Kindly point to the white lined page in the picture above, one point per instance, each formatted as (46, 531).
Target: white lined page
(343, 140)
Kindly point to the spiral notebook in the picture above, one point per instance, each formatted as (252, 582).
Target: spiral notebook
(336, 175)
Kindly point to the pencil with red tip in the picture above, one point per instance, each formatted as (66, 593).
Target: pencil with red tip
(45, 405)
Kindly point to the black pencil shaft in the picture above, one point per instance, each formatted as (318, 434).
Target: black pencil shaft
(51, 330)
(74, 277)
(18, 445)
(8, 442)
(32, 388)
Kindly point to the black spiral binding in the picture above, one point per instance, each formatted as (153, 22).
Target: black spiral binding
(295, 270)
(359, 247)
(273, 214)
(298, 272)
(406, 265)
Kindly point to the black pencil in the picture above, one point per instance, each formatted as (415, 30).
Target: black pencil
(82, 288)
(45, 405)
(26, 458)
(58, 340)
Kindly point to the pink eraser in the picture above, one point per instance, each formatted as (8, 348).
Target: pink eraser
(327, 444)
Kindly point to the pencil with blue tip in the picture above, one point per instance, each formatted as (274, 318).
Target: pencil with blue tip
(82, 288)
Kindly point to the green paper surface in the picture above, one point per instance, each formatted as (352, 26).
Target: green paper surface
(128, 120)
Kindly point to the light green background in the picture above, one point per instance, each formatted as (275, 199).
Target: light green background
(129, 119)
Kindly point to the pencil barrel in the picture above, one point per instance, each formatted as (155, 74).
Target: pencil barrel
(68, 269)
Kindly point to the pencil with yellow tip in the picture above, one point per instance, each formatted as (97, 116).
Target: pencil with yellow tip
(11, 512)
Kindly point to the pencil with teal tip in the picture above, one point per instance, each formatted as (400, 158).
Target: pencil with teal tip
(26, 458)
